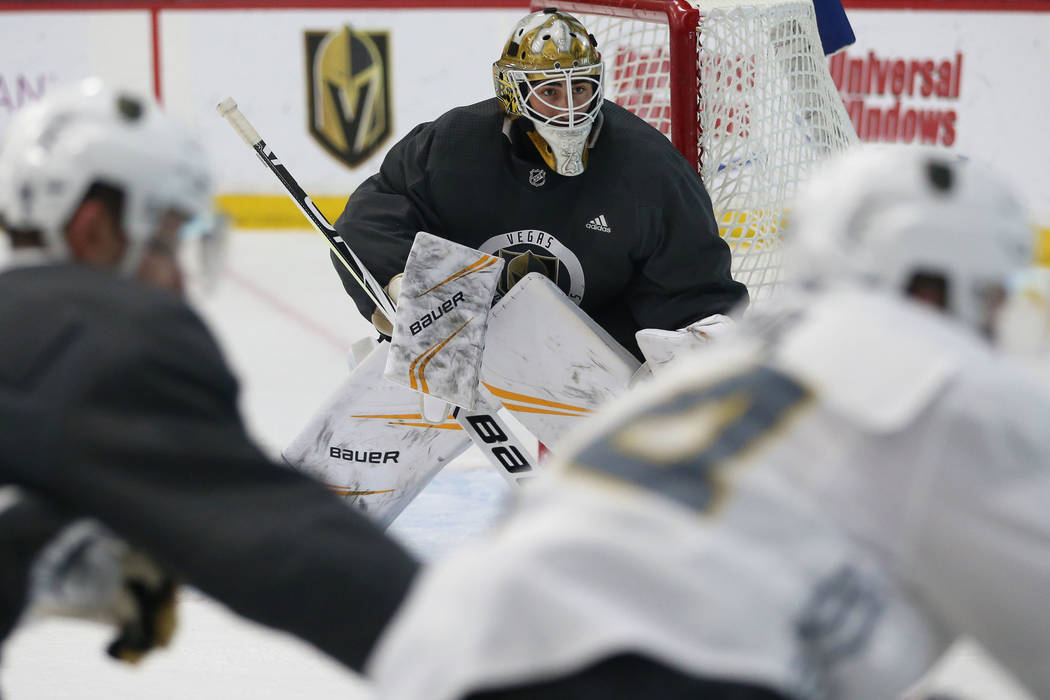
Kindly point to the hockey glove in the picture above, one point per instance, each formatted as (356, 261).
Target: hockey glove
(662, 347)
(384, 325)
(710, 328)
(25, 528)
(86, 572)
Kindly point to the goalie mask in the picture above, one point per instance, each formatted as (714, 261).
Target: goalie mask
(551, 73)
(87, 134)
(916, 221)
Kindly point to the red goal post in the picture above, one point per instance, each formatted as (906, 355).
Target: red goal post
(742, 89)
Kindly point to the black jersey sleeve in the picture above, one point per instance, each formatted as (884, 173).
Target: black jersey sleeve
(683, 267)
(148, 440)
(383, 215)
(26, 526)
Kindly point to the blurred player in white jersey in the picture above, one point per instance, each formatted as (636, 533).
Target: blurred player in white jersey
(817, 510)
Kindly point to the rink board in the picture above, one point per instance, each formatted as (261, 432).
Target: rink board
(435, 54)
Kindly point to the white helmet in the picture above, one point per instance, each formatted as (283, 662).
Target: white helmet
(890, 217)
(55, 150)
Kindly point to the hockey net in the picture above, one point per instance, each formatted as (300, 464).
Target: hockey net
(742, 89)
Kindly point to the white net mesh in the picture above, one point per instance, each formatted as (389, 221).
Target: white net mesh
(766, 109)
(638, 67)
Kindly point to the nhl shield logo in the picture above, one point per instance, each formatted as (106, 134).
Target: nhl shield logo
(537, 177)
(348, 92)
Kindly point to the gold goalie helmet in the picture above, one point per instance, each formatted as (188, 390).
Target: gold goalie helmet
(548, 54)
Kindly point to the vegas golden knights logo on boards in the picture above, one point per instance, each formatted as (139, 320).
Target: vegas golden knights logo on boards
(348, 91)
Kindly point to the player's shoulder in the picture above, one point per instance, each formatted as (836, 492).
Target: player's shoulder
(621, 127)
(97, 294)
(468, 119)
(874, 358)
(449, 136)
(695, 413)
(999, 389)
(652, 160)
(56, 306)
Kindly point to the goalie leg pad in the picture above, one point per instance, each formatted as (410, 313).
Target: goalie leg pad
(370, 444)
(548, 362)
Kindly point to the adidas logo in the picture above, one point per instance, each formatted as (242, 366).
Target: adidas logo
(599, 223)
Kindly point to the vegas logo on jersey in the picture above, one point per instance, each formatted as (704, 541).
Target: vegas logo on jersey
(530, 250)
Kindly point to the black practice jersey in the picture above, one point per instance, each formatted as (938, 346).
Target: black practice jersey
(116, 403)
(633, 239)
(26, 526)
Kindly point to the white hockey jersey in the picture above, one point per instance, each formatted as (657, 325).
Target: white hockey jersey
(820, 507)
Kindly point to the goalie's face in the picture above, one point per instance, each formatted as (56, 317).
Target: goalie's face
(550, 72)
(561, 101)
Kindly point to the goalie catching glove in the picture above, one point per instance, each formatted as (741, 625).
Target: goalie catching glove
(662, 347)
(709, 328)
(55, 565)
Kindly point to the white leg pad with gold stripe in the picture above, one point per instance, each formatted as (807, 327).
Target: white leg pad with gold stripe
(370, 444)
(548, 362)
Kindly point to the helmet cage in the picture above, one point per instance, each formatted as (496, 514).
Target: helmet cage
(527, 87)
(545, 46)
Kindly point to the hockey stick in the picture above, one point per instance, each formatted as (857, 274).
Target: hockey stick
(486, 430)
(374, 290)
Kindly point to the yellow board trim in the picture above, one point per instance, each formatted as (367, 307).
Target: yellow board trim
(274, 211)
(1042, 247)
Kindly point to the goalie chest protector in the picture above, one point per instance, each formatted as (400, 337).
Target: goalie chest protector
(632, 240)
